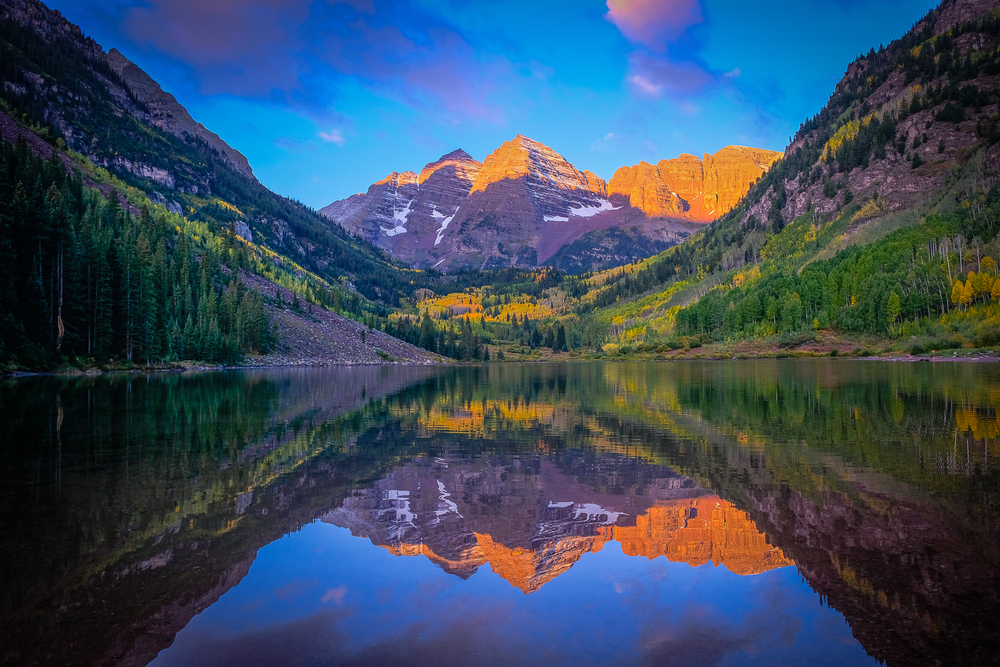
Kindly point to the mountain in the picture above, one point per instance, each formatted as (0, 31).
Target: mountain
(142, 136)
(406, 213)
(526, 205)
(531, 529)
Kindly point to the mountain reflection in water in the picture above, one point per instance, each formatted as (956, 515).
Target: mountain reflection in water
(683, 513)
(531, 523)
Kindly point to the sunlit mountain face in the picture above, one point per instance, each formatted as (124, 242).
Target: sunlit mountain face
(827, 512)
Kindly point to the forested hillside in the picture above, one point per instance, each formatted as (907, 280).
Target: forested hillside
(59, 83)
(84, 277)
(878, 219)
(125, 237)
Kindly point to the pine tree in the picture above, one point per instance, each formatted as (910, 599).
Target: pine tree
(428, 337)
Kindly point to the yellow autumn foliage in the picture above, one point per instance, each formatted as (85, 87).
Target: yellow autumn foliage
(847, 131)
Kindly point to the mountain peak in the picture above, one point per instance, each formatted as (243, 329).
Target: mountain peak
(458, 161)
(523, 157)
(457, 154)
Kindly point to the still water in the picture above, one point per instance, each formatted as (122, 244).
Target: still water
(800, 512)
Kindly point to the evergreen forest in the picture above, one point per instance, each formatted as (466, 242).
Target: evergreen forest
(86, 278)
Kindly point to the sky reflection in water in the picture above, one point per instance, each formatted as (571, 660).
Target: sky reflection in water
(322, 596)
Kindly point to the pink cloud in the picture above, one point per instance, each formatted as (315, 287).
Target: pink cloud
(653, 23)
(335, 595)
(239, 46)
(655, 77)
(442, 69)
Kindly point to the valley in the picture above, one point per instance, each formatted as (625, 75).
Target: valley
(876, 228)
(601, 383)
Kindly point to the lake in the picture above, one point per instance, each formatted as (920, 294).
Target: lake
(790, 512)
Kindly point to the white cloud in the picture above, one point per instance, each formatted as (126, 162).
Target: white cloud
(333, 136)
(733, 74)
(645, 84)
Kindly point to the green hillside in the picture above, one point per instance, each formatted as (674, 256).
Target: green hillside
(884, 202)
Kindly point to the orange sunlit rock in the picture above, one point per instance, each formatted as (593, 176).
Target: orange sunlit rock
(699, 190)
(522, 157)
(530, 570)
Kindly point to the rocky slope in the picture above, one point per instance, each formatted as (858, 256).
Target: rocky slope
(314, 336)
(167, 114)
(526, 205)
(933, 95)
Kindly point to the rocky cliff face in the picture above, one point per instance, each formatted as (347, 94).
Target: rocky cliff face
(700, 531)
(380, 212)
(167, 114)
(689, 188)
(526, 205)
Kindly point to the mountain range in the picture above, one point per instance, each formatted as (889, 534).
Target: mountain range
(528, 206)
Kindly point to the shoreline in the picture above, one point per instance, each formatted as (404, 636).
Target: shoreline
(988, 357)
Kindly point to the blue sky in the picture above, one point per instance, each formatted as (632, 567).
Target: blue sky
(326, 97)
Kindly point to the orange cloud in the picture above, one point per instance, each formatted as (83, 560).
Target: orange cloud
(653, 23)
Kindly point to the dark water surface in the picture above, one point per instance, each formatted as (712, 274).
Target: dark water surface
(807, 512)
